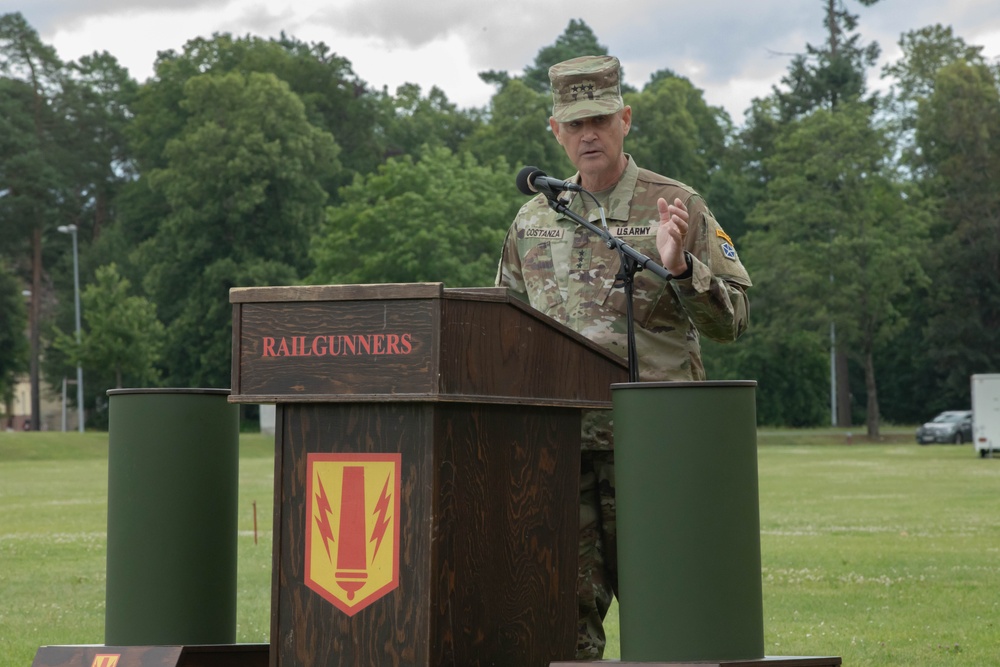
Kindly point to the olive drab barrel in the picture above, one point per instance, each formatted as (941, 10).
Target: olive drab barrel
(688, 521)
(173, 473)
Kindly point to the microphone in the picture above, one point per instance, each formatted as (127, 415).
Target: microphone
(532, 180)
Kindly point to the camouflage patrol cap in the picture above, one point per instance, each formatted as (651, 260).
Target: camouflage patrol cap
(586, 86)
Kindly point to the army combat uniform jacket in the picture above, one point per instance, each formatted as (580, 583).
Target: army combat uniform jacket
(568, 273)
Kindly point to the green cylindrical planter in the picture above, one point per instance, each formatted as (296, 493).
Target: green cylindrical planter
(173, 476)
(688, 521)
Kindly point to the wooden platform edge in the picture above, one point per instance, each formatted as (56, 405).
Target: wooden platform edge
(767, 661)
(207, 655)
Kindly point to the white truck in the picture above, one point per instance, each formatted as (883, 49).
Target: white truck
(986, 413)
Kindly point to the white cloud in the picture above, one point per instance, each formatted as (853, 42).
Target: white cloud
(733, 51)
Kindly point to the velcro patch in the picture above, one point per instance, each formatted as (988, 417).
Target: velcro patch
(544, 233)
(622, 231)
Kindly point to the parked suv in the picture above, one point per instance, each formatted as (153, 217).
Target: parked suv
(949, 426)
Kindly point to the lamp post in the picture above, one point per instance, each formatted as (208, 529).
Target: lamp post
(71, 229)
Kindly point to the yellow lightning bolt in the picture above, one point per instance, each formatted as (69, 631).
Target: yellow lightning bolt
(323, 517)
(381, 523)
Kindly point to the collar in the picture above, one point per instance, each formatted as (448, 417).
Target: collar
(619, 201)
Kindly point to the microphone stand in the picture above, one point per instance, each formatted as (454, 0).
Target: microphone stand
(632, 261)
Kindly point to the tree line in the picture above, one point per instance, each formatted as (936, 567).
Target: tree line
(870, 223)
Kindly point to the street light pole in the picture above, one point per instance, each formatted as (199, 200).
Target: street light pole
(71, 229)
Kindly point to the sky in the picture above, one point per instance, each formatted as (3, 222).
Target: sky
(734, 50)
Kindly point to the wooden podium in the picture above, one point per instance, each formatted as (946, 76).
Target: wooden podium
(426, 471)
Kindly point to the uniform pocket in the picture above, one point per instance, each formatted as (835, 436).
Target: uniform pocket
(647, 287)
(539, 277)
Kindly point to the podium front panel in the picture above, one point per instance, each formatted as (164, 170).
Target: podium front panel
(487, 535)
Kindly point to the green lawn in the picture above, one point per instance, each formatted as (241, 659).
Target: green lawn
(884, 554)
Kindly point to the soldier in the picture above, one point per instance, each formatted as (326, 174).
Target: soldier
(567, 272)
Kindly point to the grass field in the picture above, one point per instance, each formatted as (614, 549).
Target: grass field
(884, 554)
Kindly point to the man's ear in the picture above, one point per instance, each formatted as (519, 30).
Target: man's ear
(554, 125)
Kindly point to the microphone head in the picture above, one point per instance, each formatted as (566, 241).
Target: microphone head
(525, 180)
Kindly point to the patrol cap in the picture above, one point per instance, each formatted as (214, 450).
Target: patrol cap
(586, 86)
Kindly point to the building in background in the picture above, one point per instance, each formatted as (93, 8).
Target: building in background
(51, 416)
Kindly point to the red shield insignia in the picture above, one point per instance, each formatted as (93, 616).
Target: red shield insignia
(352, 533)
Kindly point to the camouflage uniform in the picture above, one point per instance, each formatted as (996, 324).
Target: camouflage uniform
(567, 272)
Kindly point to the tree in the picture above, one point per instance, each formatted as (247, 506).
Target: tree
(96, 101)
(675, 132)
(519, 131)
(122, 336)
(242, 184)
(790, 367)
(336, 101)
(34, 185)
(333, 101)
(823, 78)
(63, 158)
(925, 52)
(333, 98)
(98, 96)
(410, 122)
(828, 75)
(835, 239)
(199, 339)
(410, 222)
(13, 346)
(739, 183)
(575, 41)
(958, 133)
(925, 360)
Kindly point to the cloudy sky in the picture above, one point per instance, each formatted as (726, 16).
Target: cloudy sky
(734, 50)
